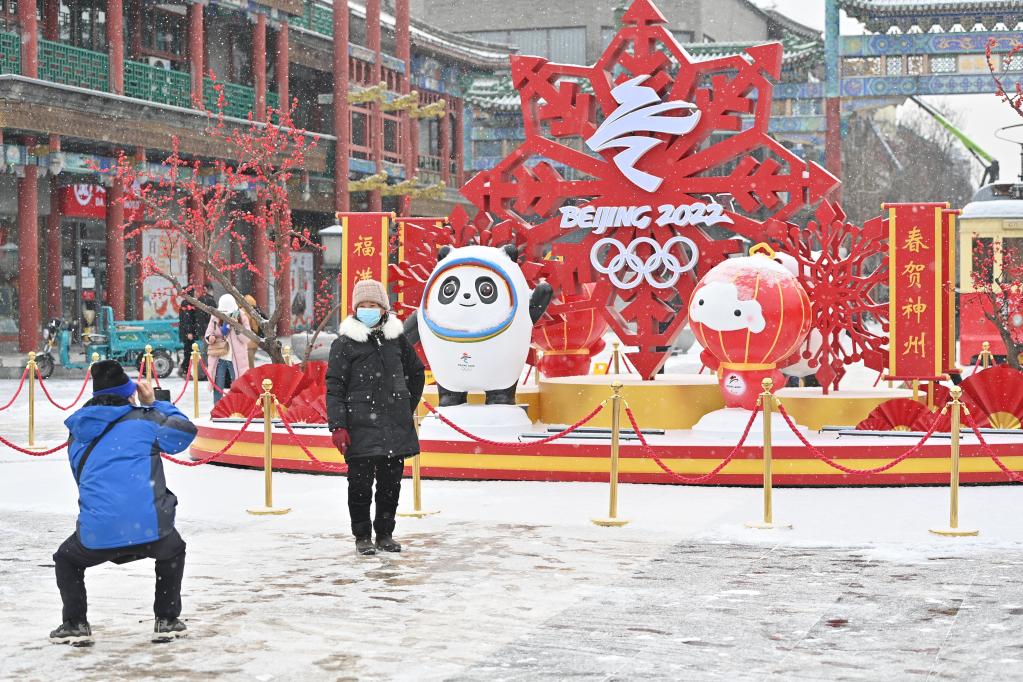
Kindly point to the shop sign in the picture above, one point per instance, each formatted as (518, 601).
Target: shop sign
(89, 201)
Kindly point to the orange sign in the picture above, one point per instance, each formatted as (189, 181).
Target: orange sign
(916, 294)
(364, 250)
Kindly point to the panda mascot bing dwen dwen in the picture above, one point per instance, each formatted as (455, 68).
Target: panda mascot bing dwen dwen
(475, 322)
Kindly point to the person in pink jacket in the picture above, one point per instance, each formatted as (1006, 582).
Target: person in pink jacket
(235, 363)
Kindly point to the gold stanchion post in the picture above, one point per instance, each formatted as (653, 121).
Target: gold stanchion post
(287, 355)
(149, 363)
(916, 389)
(417, 488)
(985, 355)
(195, 380)
(614, 357)
(268, 409)
(612, 519)
(32, 369)
(767, 402)
(953, 529)
(95, 358)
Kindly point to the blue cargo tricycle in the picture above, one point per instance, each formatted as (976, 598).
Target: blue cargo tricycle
(123, 341)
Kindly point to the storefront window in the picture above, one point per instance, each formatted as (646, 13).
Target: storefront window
(8, 279)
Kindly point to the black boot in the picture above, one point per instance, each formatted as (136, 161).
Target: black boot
(385, 543)
(75, 634)
(364, 546)
(168, 629)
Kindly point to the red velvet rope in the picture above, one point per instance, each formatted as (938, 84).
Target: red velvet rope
(847, 470)
(648, 451)
(206, 460)
(81, 392)
(188, 377)
(986, 449)
(24, 375)
(206, 371)
(530, 444)
(341, 469)
(33, 453)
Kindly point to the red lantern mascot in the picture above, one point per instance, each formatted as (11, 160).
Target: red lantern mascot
(750, 314)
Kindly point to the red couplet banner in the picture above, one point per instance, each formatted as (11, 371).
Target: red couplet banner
(916, 295)
(949, 304)
(364, 250)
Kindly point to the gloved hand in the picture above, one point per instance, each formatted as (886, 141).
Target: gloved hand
(341, 439)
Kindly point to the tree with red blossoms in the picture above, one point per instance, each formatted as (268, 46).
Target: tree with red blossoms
(226, 210)
(998, 276)
(1015, 98)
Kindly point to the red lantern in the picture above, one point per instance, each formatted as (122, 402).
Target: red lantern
(751, 314)
(570, 334)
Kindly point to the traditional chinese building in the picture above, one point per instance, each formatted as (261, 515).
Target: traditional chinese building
(84, 80)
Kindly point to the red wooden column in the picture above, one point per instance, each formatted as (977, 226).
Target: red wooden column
(29, 41)
(403, 41)
(196, 40)
(342, 113)
(51, 19)
(376, 128)
(281, 69)
(259, 66)
(28, 251)
(54, 279)
(445, 148)
(261, 259)
(284, 324)
(459, 143)
(115, 39)
(116, 251)
(196, 270)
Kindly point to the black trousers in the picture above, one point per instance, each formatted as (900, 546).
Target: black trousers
(361, 471)
(72, 558)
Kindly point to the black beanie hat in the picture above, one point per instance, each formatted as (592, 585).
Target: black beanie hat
(108, 377)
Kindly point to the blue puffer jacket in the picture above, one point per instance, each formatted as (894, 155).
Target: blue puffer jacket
(123, 498)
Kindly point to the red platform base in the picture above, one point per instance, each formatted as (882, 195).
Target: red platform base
(587, 460)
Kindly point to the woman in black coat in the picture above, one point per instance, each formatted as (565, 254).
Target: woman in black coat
(374, 384)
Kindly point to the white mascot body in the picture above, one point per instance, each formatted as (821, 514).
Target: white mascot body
(474, 320)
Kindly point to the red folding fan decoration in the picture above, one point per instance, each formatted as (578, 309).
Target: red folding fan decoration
(287, 381)
(994, 397)
(941, 395)
(234, 404)
(898, 414)
(309, 404)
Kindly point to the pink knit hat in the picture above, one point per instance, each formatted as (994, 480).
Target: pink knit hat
(370, 291)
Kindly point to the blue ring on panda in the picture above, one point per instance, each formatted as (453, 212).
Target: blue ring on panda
(458, 335)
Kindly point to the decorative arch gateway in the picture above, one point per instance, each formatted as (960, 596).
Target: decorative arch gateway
(673, 171)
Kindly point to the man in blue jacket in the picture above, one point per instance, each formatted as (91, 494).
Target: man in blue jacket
(126, 511)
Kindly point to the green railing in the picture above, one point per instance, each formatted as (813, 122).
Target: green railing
(73, 66)
(316, 18)
(157, 85)
(10, 53)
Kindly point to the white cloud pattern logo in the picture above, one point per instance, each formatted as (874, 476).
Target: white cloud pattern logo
(640, 110)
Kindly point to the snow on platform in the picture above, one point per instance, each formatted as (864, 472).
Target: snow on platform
(511, 581)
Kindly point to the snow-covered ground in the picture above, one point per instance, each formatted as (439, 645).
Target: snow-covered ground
(512, 581)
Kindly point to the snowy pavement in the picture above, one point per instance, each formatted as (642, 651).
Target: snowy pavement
(511, 581)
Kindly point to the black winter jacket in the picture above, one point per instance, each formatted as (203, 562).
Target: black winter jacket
(374, 384)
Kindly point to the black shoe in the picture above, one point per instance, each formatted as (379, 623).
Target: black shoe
(365, 546)
(75, 634)
(385, 543)
(168, 629)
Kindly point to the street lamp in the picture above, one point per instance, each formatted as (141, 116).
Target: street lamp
(330, 237)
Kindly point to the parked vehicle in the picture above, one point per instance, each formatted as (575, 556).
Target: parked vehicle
(123, 341)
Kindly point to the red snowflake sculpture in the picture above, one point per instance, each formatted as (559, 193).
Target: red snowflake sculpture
(840, 265)
(690, 130)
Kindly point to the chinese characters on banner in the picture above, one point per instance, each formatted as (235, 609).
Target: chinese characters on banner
(948, 289)
(364, 250)
(916, 264)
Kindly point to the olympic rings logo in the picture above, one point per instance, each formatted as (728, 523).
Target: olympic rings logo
(652, 269)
